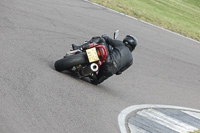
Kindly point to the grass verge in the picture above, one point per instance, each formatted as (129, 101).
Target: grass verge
(196, 131)
(181, 16)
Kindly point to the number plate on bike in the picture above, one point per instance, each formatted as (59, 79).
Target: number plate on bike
(92, 54)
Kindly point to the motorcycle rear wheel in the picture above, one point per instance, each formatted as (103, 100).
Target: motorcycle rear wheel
(70, 61)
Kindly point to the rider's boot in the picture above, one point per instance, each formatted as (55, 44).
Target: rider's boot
(82, 47)
(75, 47)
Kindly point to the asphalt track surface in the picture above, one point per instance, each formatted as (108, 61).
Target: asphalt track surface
(34, 98)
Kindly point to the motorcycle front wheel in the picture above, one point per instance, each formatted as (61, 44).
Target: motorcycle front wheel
(70, 61)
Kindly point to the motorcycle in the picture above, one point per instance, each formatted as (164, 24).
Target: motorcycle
(84, 63)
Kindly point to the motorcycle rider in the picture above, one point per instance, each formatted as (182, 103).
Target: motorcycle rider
(119, 56)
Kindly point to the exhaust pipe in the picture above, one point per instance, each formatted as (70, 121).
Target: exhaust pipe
(89, 69)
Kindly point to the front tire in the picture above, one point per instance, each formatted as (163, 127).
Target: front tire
(70, 61)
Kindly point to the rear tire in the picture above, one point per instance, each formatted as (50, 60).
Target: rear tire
(70, 61)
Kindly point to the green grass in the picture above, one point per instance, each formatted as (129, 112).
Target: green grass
(181, 16)
(196, 131)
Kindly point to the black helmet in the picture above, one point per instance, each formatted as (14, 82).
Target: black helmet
(130, 41)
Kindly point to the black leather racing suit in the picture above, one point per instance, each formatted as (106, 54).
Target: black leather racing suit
(119, 58)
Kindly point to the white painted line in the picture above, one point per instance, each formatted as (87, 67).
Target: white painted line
(141, 21)
(132, 110)
(166, 121)
(194, 114)
(135, 129)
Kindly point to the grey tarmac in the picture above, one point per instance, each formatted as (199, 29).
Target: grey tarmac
(34, 98)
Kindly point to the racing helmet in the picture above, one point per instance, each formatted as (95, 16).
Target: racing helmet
(130, 41)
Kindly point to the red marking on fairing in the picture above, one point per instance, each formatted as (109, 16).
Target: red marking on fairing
(98, 53)
(104, 52)
(92, 45)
